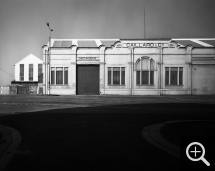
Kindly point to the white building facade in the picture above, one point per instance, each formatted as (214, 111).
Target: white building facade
(28, 68)
(129, 66)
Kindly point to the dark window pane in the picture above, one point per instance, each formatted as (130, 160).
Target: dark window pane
(30, 72)
(173, 76)
(52, 77)
(151, 77)
(138, 78)
(109, 77)
(122, 77)
(116, 77)
(180, 77)
(167, 77)
(21, 72)
(59, 75)
(66, 76)
(145, 77)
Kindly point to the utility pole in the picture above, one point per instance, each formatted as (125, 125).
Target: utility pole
(144, 24)
(50, 30)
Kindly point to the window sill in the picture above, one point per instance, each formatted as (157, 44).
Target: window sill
(60, 86)
(145, 85)
(174, 85)
(116, 85)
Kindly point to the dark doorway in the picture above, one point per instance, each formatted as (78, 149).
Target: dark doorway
(87, 79)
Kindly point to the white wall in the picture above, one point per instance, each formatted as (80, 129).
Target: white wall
(30, 59)
(203, 78)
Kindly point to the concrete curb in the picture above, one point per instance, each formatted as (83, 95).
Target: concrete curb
(152, 134)
(9, 143)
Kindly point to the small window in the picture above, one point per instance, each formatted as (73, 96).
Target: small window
(30, 72)
(174, 76)
(65, 76)
(21, 72)
(59, 75)
(52, 75)
(116, 75)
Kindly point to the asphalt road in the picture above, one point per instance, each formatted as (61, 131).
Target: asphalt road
(95, 132)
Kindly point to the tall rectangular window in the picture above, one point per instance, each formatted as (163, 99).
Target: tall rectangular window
(40, 69)
(65, 75)
(21, 75)
(151, 77)
(145, 71)
(180, 76)
(138, 78)
(123, 75)
(52, 75)
(30, 72)
(109, 76)
(116, 75)
(167, 76)
(145, 77)
(59, 75)
(174, 76)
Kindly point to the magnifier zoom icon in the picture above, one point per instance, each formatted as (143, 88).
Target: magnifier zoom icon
(198, 148)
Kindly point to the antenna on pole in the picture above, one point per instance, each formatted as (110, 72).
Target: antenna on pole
(144, 24)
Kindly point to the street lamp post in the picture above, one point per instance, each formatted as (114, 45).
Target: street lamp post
(50, 30)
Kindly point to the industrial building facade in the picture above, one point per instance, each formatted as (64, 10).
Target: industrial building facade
(27, 71)
(129, 66)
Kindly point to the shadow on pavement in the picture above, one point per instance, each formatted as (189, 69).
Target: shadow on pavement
(98, 138)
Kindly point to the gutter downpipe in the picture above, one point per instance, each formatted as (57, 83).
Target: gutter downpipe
(45, 72)
(49, 62)
(131, 78)
(191, 84)
(104, 71)
(132, 72)
(161, 69)
(191, 77)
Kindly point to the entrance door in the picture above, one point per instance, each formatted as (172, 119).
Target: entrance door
(87, 79)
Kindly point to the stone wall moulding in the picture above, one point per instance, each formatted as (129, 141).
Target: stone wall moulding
(189, 49)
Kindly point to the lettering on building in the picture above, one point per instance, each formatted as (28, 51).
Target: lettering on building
(88, 59)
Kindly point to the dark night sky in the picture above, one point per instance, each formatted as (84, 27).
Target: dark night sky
(23, 27)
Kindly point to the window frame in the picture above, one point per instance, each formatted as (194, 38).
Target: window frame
(54, 69)
(110, 79)
(40, 69)
(31, 72)
(20, 77)
(140, 71)
(179, 78)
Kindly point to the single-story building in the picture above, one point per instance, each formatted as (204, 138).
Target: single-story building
(129, 66)
(27, 72)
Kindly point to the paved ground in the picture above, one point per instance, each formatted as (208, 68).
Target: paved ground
(10, 104)
(96, 132)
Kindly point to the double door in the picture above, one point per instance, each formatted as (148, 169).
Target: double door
(87, 79)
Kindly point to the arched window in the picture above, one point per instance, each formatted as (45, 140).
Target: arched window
(145, 71)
